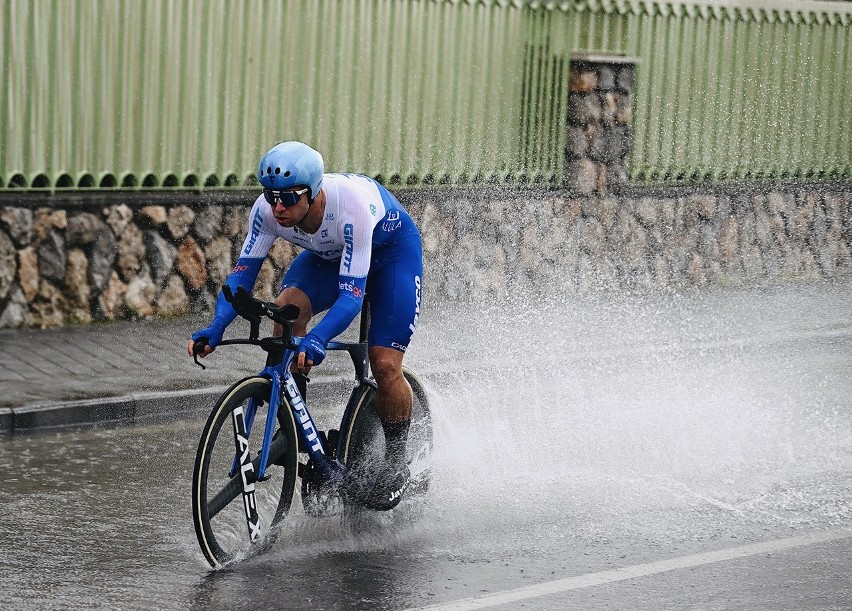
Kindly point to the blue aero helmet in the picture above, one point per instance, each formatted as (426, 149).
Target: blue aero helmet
(291, 164)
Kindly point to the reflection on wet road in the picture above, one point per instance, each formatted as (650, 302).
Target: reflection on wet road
(572, 438)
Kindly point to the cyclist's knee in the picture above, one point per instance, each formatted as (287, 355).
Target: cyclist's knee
(298, 298)
(386, 364)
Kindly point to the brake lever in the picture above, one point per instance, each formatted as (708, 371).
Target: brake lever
(197, 347)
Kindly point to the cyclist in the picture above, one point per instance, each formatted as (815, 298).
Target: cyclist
(357, 239)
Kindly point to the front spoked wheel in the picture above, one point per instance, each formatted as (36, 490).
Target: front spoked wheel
(362, 440)
(231, 509)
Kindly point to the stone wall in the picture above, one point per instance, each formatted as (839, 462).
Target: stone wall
(599, 132)
(63, 263)
(60, 265)
(493, 247)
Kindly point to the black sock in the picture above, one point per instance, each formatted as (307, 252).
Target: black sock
(396, 439)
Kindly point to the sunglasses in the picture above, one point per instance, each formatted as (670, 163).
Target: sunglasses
(287, 198)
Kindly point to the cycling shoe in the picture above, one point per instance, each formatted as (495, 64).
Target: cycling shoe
(381, 489)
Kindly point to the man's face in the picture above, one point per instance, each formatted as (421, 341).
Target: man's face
(289, 206)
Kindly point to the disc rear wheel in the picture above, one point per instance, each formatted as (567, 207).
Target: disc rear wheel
(362, 443)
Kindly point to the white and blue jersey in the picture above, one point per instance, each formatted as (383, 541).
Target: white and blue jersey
(367, 240)
(360, 215)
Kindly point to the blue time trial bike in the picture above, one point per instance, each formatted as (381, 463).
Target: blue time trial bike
(260, 446)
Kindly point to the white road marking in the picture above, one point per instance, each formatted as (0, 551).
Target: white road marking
(638, 570)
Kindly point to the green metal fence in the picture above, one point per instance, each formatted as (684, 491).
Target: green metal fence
(759, 91)
(162, 94)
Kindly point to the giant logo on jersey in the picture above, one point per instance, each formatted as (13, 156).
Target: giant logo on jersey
(349, 238)
(256, 224)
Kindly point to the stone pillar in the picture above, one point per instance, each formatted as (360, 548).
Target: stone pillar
(599, 123)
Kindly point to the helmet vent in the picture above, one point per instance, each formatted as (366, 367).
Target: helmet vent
(290, 164)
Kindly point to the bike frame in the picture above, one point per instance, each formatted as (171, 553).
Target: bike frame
(284, 386)
(279, 359)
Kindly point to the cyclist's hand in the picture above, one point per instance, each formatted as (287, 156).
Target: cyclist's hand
(211, 336)
(190, 349)
(311, 352)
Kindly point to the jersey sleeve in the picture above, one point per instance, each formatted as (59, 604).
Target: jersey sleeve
(260, 234)
(352, 279)
(252, 254)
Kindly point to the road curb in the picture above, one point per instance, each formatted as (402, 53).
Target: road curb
(125, 409)
(7, 420)
(131, 409)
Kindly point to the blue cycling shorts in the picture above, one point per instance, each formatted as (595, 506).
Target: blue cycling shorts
(393, 288)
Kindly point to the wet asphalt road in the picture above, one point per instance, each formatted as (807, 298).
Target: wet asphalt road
(584, 439)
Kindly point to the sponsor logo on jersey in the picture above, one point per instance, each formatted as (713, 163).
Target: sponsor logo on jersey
(413, 324)
(373, 209)
(240, 268)
(324, 233)
(256, 224)
(399, 347)
(348, 237)
(392, 221)
(350, 287)
(329, 216)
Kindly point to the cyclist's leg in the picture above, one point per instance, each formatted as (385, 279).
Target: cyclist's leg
(394, 289)
(393, 396)
(311, 284)
(394, 400)
(298, 298)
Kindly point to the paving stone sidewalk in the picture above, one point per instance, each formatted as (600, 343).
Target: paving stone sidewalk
(107, 371)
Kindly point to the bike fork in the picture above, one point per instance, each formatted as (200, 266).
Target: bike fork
(243, 422)
(246, 471)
